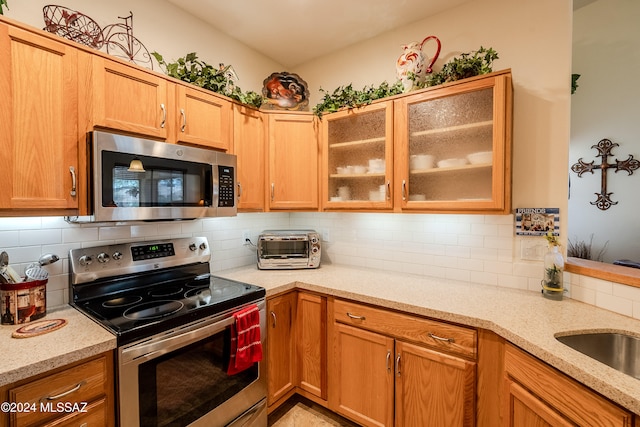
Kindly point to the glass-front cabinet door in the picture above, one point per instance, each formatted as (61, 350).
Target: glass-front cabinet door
(358, 158)
(453, 147)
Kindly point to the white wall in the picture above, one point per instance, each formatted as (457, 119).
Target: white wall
(606, 39)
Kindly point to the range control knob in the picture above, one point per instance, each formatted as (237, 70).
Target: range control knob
(117, 256)
(103, 257)
(85, 260)
(192, 247)
(203, 246)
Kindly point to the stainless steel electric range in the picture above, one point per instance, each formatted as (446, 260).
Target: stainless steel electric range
(173, 322)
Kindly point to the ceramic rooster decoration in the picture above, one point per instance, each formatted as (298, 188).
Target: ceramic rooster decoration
(411, 66)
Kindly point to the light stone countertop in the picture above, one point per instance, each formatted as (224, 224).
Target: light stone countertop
(524, 318)
(79, 339)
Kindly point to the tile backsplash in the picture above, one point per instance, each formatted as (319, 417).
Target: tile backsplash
(470, 248)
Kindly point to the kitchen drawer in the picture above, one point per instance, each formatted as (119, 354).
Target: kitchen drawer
(442, 336)
(95, 415)
(80, 384)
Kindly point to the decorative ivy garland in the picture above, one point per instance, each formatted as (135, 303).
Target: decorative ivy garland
(466, 65)
(191, 70)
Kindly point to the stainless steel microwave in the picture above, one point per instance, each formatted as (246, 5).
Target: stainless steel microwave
(135, 179)
(288, 249)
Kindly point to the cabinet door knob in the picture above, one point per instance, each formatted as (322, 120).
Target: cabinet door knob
(184, 120)
(435, 337)
(356, 317)
(164, 116)
(72, 170)
(65, 393)
(275, 319)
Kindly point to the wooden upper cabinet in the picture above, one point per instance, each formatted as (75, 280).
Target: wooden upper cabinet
(293, 161)
(38, 123)
(249, 145)
(124, 98)
(357, 163)
(452, 147)
(203, 118)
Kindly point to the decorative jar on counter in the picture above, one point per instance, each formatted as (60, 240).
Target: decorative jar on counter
(23, 302)
(552, 283)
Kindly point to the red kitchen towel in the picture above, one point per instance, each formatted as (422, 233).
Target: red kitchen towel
(246, 348)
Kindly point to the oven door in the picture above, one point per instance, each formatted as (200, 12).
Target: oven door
(180, 378)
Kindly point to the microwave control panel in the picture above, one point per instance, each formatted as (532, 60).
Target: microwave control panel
(225, 186)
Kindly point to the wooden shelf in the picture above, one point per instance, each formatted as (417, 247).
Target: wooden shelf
(357, 175)
(467, 126)
(357, 142)
(451, 169)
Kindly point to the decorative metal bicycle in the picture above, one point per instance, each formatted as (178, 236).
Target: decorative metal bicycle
(116, 39)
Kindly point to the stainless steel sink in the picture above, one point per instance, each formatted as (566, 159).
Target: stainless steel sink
(620, 351)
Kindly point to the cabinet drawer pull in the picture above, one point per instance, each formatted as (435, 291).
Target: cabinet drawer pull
(184, 120)
(435, 337)
(72, 170)
(239, 191)
(404, 190)
(164, 116)
(275, 319)
(273, 190)
(353, 316)
(65, 393)
(398, 365)
(388, 360)
(388, 190)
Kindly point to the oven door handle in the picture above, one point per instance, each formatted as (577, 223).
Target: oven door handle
(157, 347)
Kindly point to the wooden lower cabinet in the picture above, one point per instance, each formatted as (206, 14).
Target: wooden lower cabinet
(81, 394)
(433, 388)
(537, 395)
(281, 354)
(296, 347)
(311, 345)
(380, 367)
(362, 376)
(380, 379)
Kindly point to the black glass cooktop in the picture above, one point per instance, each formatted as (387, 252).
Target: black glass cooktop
(145, 309)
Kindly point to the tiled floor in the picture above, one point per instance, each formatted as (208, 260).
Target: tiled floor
(300, 412)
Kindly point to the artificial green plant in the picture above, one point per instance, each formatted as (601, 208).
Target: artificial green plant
(466, 65)
(192, 70)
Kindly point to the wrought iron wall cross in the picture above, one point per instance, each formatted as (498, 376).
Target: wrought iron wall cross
(604, 148)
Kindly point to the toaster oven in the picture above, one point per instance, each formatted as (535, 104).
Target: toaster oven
(288, 249)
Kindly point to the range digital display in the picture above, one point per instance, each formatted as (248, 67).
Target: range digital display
(152, 251)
